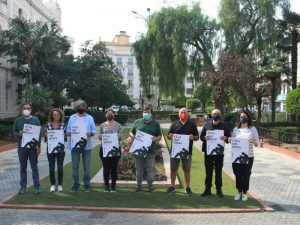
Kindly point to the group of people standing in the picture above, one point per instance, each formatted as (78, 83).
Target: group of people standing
(183, 126)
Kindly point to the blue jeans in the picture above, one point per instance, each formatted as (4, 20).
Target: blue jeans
(86, 160)
(148, 163)
(25, 154)
(59, 158)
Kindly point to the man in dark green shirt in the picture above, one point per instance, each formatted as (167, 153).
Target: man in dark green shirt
(149, 126)
(26, 153)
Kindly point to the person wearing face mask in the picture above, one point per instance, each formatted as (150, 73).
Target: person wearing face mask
(56, 122)
(110, 164)
(187, 127)
(25, 154)
(213, 162)
(84, 147)
(149, 126)
(244, 129)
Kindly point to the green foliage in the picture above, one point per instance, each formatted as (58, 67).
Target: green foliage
(176, 101)
(179, 39)
(203, 92)
(7, 121)
(42, 103)
(37, 45)
(133, 114)
(69, 112)
(121, 118)
(293, 101)
(193, 103)
(174, 117)
(289, 29)
(99, 116)
(97, 80)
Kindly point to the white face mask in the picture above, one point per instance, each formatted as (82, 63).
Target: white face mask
(26, 112)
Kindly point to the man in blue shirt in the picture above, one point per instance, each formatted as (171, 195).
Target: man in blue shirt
(86, 122)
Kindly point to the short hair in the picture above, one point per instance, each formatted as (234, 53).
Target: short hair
(147, 108)
(50, 117)
(79, 103)
(27, 104)
(238, 122)
(110, 110)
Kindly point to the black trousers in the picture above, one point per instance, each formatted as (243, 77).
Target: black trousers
(59, 158)
(242, 174)
(110, 168)
(213, 162)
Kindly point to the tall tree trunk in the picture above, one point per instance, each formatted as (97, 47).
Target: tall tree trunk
(273, 96)
(294, 57)
(219, 104)
(258, 106)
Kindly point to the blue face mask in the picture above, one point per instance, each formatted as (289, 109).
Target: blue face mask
(244, 120)
(216, 117)
(147, 116)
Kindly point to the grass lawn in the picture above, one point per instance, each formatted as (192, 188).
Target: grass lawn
(127, 199)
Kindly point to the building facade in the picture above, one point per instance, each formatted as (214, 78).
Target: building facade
(32, 10)
(120, 50)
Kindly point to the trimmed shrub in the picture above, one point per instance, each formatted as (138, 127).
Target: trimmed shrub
(8, 121)
(174, 117)
(121, 118)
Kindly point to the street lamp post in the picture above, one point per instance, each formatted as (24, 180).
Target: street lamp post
(147, 20)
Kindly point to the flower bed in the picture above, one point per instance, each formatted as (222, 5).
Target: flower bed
(126, 167)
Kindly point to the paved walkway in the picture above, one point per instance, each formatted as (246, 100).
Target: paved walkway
(275, 180)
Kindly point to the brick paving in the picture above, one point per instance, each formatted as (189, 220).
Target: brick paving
(275, 180)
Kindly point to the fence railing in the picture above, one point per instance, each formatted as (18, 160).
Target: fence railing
(278, 137)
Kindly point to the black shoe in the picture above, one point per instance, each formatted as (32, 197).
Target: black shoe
(206, 193)
(188, 191)
(106, 189)
(170, 190)
(74, 189)
(220, 194)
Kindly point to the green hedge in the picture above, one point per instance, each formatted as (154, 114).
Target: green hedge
(136, 114)
(99, 116)
(121, 118)
(7, 121)
(279, 124)
(174, 117)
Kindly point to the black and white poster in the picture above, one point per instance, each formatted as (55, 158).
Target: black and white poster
(78, 136)
(110, 145)
(141, 144)
(239, 150)
(31, 136)
(180, 146)
(215, 146)
(56, 141)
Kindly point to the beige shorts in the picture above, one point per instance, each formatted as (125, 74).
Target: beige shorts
(186, 164)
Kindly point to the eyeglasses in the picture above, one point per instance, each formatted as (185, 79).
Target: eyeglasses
(27, 108)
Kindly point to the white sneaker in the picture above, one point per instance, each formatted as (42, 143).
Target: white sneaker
(59, 188)
(244, 197)
(52, 188)
(237, 197)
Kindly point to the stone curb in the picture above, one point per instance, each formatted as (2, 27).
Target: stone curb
(129, 210)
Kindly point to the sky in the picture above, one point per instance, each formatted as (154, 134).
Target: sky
(103, 19)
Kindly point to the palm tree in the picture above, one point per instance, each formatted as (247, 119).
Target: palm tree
(33, 44)
(290, 25)
(273, 66)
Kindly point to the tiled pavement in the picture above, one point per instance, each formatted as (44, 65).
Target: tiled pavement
(275, 180)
